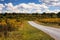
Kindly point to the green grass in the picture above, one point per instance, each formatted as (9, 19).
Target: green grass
(27, 32)
(31, 33)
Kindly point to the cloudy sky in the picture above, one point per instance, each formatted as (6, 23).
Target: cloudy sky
(29, 6)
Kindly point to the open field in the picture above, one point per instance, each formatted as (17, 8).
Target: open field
(15, 26)
(22, 31)
(52, 22)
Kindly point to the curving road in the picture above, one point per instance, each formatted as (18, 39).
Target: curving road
(53, 32)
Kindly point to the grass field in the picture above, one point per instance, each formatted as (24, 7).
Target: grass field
(52, 22)
(24, 32)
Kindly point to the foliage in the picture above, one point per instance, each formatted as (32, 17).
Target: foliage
(15, 27)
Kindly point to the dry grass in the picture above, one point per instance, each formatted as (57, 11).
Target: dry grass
(24, 32)
(52, 22)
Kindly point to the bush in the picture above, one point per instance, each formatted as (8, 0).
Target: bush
(6, 27)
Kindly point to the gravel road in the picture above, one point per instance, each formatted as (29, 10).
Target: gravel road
(53, 32)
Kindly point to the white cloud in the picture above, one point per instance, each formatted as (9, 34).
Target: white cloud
(51, 2)
(25, 8)
(56, 4)
(9, 6)
(1, 7)
(54, 11)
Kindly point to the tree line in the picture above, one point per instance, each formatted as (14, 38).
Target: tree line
(32, 15)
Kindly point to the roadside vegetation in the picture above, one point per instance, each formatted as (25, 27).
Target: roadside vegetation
(14, 26)
(13, 29)
(51, 22)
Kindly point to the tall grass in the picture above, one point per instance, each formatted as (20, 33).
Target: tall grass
(54, 22)
(14, 29)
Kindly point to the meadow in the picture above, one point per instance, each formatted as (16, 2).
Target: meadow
(20, 30)
(51, 22)
(16, 27)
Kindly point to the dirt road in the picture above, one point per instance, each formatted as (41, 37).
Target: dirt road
(53, 32)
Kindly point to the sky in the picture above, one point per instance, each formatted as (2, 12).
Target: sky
(29, 6)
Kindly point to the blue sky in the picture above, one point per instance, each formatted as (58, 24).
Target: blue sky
(15, 2)
(29, 6)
